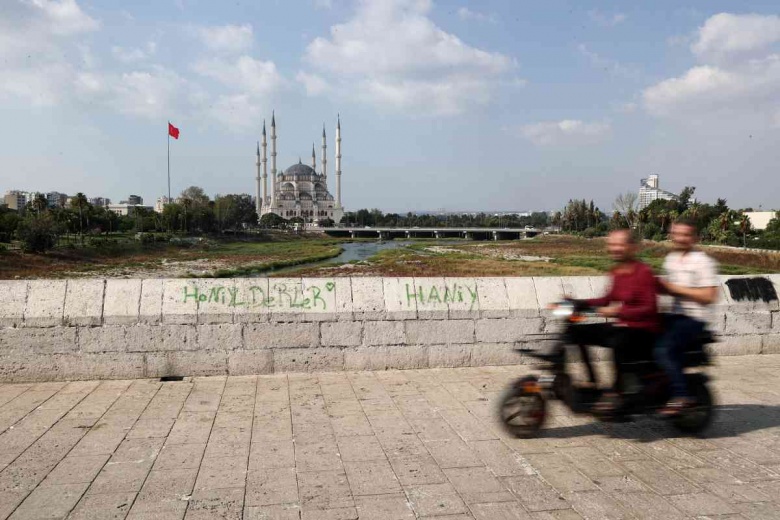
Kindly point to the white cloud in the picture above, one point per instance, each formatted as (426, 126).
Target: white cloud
(314, 84)
(243, 74)
(251, 84)
(725, 36)
(392, 55)
(46, 61)
(323, 4)
(227, 38)
(607, 20)
(64, 17)
(565, 132)
(464, 13)
(39, 50)
(147, 93)
(739, 72)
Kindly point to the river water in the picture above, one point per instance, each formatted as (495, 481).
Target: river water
(353, 252)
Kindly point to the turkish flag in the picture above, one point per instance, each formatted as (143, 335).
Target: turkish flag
(173, 131)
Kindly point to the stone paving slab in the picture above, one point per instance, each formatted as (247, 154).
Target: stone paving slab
(389, 445)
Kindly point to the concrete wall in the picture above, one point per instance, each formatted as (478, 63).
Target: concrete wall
(79, 329)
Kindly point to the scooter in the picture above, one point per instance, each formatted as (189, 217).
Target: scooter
(646, 390)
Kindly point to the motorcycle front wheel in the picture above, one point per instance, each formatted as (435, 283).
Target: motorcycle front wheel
(522, 408)
(695, 419)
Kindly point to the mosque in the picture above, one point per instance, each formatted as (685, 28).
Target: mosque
(298, 191)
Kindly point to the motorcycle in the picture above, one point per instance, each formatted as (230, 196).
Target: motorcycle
(645, 387)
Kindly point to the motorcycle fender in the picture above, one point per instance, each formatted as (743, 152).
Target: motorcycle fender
(529, 385)
(698, 376)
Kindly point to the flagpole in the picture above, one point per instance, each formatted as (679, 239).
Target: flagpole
(169, 162)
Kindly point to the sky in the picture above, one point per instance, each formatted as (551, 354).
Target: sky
(452, 105)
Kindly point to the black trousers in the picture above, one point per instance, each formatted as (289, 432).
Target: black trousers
(628, 345)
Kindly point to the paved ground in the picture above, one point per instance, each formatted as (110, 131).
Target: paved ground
(381, 445)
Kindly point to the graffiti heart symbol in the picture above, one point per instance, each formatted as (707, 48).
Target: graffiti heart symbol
(330, 286)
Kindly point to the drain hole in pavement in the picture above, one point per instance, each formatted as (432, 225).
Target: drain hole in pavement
(166, 379)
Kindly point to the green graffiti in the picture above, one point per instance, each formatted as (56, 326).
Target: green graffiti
(433, 295)
(280, 296)
(188, 295)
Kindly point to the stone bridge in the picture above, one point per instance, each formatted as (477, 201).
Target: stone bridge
(387, 233)
(132, 328)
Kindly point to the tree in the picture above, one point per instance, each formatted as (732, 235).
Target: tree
(39, 204)
(744, 227)
(773, 227)
(38, 233)
(684, 199)
(9, 222)
(272, 220)
(80, 203)
(626, 204)
(196, 194)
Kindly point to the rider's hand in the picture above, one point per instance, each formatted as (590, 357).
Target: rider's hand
(608, 312)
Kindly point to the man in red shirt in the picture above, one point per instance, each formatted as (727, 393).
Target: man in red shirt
(630, 304)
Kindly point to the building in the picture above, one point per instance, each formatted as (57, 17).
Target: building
(102, 202)
(298, 191)
(128, 210)
(56, 199)
(133, 200)
(649, 191)
(760, 219)
(159, 206)
(15, 199)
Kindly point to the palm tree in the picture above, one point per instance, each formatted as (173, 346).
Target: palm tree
(744, 227)
(40, 204)
(642, 217)
(663, 216)
(80, 202)
(186, 204)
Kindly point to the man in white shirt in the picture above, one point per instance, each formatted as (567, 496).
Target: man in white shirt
(691, 279)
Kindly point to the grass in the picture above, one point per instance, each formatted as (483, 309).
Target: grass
(569, 256)
(222, 258)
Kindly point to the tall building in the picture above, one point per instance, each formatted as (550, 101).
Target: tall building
(56, 199)
(649, 191)
(15, 199)
(133, 200)
(102, 202)
(298, 191)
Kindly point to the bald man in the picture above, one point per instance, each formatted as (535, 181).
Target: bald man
(630, 304)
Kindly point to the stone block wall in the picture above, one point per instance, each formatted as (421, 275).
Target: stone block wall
(85, 329)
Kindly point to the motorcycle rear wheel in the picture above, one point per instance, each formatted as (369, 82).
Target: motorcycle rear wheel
(522, 408)
(695, 419)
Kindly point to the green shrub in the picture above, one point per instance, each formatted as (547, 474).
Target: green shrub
(37, 233)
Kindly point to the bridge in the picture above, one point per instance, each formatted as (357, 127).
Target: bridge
(389, 233)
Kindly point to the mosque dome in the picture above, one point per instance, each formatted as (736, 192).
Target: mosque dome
(299, 170)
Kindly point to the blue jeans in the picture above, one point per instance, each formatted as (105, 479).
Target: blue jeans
(669, 353)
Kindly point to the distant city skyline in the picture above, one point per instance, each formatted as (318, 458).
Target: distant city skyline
(445, 103)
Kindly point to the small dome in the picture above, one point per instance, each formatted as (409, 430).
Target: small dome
(299, 170)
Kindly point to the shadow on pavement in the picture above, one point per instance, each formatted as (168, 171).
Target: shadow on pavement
(730, 420)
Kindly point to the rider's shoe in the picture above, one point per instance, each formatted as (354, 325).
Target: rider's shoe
(676, 406)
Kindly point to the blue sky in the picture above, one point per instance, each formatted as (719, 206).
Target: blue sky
(455, 105)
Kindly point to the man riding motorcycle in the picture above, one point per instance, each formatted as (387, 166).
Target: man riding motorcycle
(632, 302)
(691, 278)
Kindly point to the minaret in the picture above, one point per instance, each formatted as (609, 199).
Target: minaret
(265, 168)
(259, 198)
(313, 159)
(338, 163)
(273, 159)
(324, 159)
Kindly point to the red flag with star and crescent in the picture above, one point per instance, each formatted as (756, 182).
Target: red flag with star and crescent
(173, 131)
